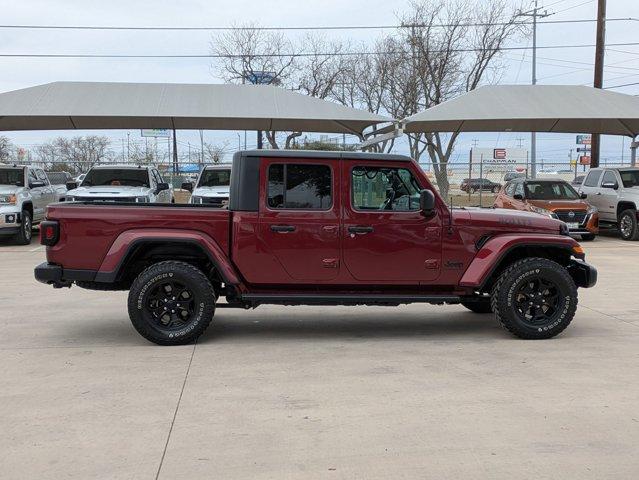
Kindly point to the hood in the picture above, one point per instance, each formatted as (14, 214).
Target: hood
(212, 191)
(9, 189)
(553, 205)
(109, 191)
(504, 220)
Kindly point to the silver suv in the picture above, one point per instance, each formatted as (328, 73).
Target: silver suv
(615, 192)
(25, 193)
(121, 184)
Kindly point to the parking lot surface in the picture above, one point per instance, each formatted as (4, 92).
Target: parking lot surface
(301, 392)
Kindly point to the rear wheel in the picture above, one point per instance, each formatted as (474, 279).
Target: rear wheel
(495, 189)
(628, 227)
(171, 303)
(535, 298)
(23, 237)
(482, 305)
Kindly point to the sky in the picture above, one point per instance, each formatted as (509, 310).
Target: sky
(554, 66)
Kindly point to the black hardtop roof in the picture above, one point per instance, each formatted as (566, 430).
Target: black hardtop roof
(345, 155)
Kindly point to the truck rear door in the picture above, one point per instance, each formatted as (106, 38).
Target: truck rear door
(298, 226)
(386, 238)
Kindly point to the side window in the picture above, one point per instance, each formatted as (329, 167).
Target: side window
(609, 177)
(32, 176)
(510, 189)
(300, 186)
(158, 177)
(42, 176)
(592, 180)
(382, 188)
(519, 189)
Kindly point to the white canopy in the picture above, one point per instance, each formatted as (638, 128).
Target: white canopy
(532, 108)
(98, 105)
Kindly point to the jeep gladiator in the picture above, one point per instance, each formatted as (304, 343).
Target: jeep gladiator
(317, 228)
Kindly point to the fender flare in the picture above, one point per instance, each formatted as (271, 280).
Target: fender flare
(493, 251)
(113, 261)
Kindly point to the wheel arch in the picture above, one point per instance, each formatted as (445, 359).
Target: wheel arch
(133, 251)
(498, 253)
(625, 205)
(28, 206)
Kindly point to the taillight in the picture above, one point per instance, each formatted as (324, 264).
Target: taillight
(49, 232)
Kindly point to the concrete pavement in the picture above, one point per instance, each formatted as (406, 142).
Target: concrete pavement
(283, 392)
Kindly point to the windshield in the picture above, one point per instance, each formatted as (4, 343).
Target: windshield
(12, 176)
(117, 177)
(215, 178)
(630, 178)
(550, 191)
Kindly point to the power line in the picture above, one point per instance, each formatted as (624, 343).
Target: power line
(623, 85)
(306, 27)
(305, 54)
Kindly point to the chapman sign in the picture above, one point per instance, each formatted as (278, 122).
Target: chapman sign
(493, 157)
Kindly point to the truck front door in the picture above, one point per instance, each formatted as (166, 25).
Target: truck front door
(385, 236)
(298, 224)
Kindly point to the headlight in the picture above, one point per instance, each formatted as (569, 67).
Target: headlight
(196, 199)
(542, 211)
(592, 210)
(141, 199)
(8, 199)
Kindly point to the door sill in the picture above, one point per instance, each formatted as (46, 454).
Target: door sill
(345, 299)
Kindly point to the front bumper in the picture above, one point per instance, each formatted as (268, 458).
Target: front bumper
(55, 275)
(584, 274)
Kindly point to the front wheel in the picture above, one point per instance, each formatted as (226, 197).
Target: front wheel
(171, 303)
(23, 237)
(535, 298)
(495, 189)
(588, 237)
(628, 227)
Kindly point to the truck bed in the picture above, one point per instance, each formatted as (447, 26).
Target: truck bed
(89, 229)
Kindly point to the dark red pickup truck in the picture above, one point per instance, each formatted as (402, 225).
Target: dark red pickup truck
(317, 228)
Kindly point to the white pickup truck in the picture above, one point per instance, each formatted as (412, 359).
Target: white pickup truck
(212, 186)
(25, 192)
(121, 184)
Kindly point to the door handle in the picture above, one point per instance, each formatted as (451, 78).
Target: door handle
(360, 230)
(598, 193)
(282, 228)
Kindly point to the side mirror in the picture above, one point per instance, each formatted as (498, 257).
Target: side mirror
(518, 196)
(162, 187)
(426, 202)
(188, 186)
(36, 184)
(612, 185)
(71, 185)
(583, 195)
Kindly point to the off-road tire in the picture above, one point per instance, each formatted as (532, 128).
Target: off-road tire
(479, 306)
(23, 237)
(200, 289)
(630, 216)
(495, 190)
(589, 237)
(515, 277)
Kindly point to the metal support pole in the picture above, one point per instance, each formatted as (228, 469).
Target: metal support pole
(175, 155)
(595, 146)
(201, 146)
(481, 178)
(633, 153)
(259, 139)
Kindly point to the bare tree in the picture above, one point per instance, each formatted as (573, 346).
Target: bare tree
(6, 147)
(445, 48)
(77, 154)
(214, 153)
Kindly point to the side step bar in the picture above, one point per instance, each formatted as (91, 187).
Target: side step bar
(255, 299)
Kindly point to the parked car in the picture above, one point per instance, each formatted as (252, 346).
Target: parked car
(512, 175)
(59, 182)
(473, 185)
(308, 228)
(121, 184)
(615, 192)
(553, 198)
(25, 192)
(578, 180)
(211, 187)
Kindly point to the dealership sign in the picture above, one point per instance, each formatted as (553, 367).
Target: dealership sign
(156, 132)
(499, 156)
(584, 139)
